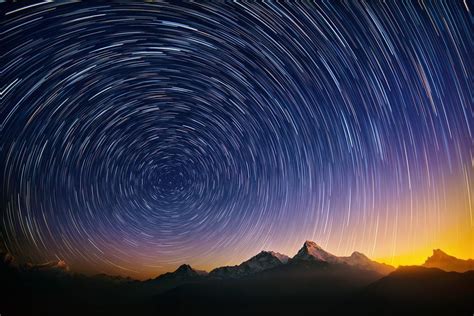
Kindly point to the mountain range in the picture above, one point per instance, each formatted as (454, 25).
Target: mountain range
(269, 282)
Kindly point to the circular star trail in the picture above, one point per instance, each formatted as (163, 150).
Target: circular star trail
(138, 137)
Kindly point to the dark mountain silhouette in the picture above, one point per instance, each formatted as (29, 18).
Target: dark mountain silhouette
(117, 279)
(183, 275)
(420, 291)
(312, 282)
(184, 271)
(445, 262)
(294, 288)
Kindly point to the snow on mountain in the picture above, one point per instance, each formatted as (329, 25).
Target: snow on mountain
(262, 261)
(361, 261)
(312, 251)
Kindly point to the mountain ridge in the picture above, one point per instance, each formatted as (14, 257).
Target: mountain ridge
(262, 261)
(270, 282)
(440, 259)
(310, 251)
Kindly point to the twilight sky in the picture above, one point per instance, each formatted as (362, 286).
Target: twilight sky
(134, 138)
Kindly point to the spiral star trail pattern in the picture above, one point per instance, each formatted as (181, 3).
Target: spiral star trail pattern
(137, 137)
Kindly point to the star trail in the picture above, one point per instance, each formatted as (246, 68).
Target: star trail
(137, 137)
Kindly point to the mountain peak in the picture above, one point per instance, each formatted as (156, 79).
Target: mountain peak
(360, 260)
(184, 268)
(281, 257)
(440, 253)
(443, 261)
(359, 255)
(312, 251)
(264, 260)
(311, 244)
(184, 271)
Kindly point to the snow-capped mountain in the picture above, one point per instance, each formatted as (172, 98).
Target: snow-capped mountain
(262, 261)
(361, 261)
(313, 252)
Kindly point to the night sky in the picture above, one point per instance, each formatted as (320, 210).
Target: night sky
(134, 138)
